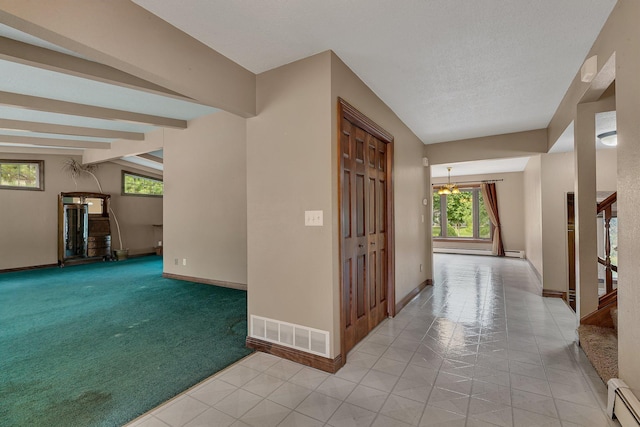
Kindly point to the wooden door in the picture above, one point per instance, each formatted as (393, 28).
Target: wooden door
(376, 229)
(571, 251)
(365, 206)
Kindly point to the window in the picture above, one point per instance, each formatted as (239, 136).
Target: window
(461, 216)
(134, 184)
(22, 174)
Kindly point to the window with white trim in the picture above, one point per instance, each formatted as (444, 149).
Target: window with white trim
(461, 216)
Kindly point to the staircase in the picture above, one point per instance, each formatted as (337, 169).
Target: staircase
(598, 333)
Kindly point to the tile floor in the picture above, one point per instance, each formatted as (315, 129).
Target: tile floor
(480, 348)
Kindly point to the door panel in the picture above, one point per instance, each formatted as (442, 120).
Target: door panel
(346, 208)
(360, 209)
(347, 300)
(364, 237)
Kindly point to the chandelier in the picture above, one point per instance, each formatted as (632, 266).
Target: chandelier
(448, 188)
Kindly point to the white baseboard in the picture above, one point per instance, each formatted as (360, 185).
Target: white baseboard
(511, 254)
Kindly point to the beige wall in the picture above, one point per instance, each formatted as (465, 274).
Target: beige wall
(136, 214)
(532, 193)
(620, 36)
(29, 219)
(510, 207)
(292, 166)
(556, 173)
(624, 29)
(606, 170)
(556, 179)
(289, 157)
(410, 181)
(205, 200)
(518, 144)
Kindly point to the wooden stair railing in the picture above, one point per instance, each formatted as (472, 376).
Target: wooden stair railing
(607, 299)
(606, 208)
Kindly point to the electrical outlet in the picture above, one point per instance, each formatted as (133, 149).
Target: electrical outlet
(184, 261)
(176, 261)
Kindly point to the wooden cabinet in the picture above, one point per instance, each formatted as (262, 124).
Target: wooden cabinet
(99, 241)
(99, 246)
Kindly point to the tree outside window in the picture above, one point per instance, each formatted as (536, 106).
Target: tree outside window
(437, 218)
(459, 214)
(22, 174)
(463, 213)
(140, 185)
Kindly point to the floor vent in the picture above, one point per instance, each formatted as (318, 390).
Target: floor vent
(623, 404)
(299, 337)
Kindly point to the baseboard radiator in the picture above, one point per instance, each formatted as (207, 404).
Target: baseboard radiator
(623, 404)
(511, 254)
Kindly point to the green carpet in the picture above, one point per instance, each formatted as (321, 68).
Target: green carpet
(100, 344)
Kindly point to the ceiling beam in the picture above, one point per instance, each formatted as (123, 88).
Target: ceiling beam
(53, 142)
(123, 35)
(21, 125)
(41, 150)
(82, 110)
(128, 165)
(151, 158)
(35, 56)
(601, 82)
(153, 141)
(518, 144)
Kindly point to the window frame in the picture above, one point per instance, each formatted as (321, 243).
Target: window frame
(136, 174)
(475, 189)
(40, 165)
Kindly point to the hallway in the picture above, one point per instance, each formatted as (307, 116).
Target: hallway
(479, 348)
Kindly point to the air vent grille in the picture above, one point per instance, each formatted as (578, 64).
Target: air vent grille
(299, 337)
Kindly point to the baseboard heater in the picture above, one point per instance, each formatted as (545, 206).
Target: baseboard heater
(511, 254)
(623, 404)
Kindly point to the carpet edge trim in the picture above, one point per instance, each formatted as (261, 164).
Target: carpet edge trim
(204, 281)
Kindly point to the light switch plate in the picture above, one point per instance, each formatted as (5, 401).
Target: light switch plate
(313, 218)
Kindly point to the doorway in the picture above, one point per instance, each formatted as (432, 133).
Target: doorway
(366, 225)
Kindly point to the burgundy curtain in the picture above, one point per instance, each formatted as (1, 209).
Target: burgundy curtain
(491, 203)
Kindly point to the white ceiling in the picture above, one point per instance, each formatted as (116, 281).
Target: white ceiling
(516, 164)
(605, 122)
(450, 69)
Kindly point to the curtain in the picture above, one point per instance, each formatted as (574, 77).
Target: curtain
(491, 203)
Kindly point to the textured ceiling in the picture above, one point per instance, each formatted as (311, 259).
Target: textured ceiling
(450, 69)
